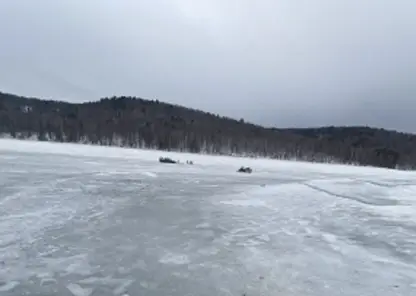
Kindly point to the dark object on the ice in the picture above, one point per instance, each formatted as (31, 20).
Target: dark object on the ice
(247, 170)
(166, 160)
(189, 162)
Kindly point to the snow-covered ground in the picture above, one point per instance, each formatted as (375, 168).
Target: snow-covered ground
(84, 220)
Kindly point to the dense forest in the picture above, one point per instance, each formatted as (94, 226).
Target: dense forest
(136, 122)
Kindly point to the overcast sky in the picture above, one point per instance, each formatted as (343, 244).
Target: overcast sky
(275, 62)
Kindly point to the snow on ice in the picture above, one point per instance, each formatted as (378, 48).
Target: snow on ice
(89, 220)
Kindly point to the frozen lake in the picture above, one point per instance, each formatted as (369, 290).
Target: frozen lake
(82, 220)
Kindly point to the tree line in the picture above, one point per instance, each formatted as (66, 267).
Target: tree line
(135, 122)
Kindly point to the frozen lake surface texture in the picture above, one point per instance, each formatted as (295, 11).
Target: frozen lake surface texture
(91, 221)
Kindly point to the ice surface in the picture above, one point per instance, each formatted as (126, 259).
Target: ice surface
(8, 286)
(77, 290)
(84, 220)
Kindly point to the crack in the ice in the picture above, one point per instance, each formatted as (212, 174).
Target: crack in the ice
(378, 202)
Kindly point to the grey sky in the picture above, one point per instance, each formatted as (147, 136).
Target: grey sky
(275, 62)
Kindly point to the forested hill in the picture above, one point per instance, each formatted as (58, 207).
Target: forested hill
(135, 122)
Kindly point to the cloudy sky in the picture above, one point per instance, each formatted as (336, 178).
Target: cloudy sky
(275, 62)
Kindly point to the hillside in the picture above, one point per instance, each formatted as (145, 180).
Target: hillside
(135, 122)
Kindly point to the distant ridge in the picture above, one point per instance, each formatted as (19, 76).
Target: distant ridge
(135, 122)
